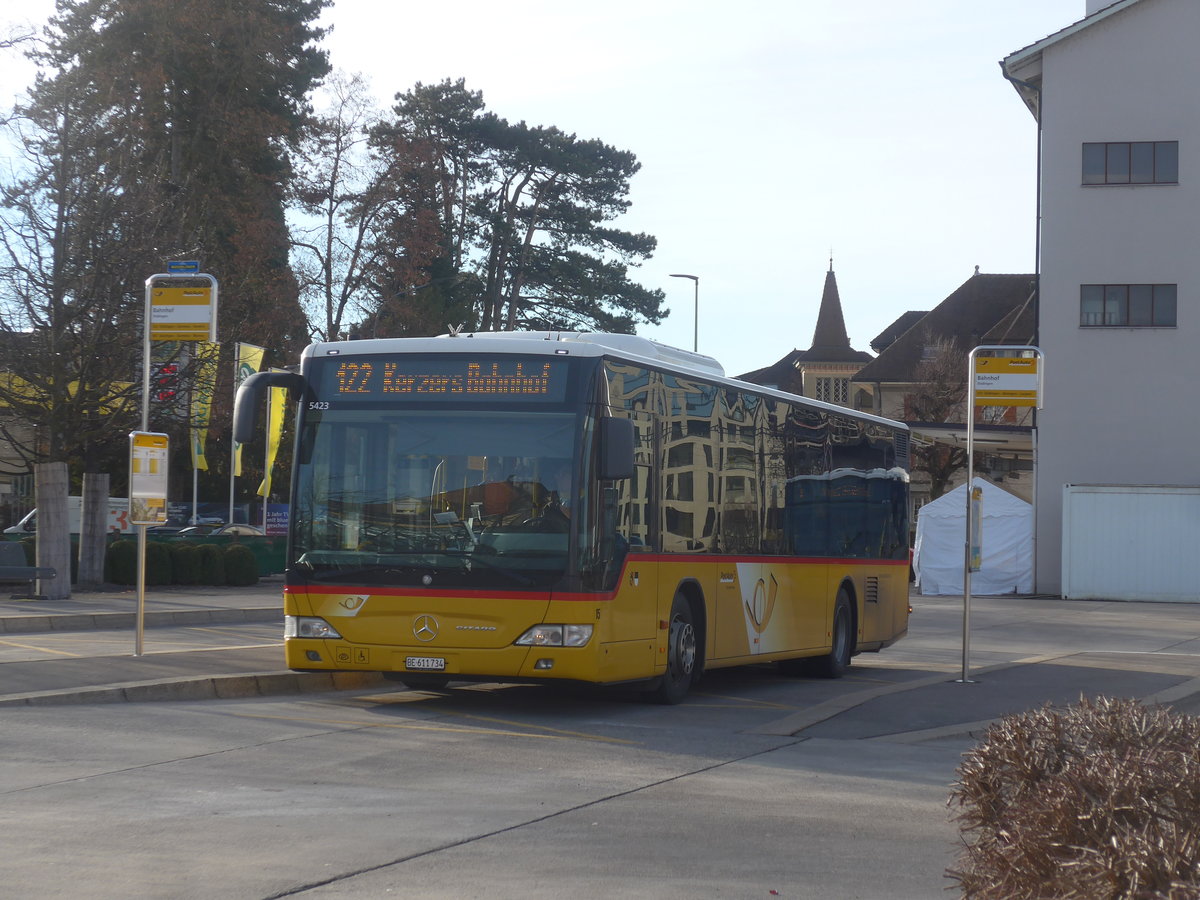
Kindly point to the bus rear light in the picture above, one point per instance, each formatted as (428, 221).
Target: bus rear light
(556, 636)
(308, 627)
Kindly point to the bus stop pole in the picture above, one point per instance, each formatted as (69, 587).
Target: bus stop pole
(140, 617)
(966, 636)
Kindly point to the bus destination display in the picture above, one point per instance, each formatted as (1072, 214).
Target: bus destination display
(445, 379)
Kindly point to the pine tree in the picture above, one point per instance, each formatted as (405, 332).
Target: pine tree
(524, 215)
(157, 130)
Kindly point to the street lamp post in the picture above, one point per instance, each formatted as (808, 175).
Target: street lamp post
(696, 317)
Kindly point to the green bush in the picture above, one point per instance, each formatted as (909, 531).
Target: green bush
(241, 568)
(212, 564)
(1096, 800)
(158, 564)
(120, 562)
(185, 562)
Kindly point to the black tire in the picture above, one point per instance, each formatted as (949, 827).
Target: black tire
(681, 655)
(835, 663)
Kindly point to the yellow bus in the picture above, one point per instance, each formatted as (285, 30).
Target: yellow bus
(519, 507)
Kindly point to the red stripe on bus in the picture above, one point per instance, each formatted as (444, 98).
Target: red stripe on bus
(775, 560)
(410, 592)
(581, 596)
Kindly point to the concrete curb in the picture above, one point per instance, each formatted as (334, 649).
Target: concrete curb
(113, 621)
(211, 687)
(794, 724)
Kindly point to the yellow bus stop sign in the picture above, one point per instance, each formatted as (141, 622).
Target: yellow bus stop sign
(1006, 381)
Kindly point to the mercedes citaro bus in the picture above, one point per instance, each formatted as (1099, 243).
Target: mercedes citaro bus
(520, 507)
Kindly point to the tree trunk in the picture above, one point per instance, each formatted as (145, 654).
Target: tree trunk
(93, 526)
(53, 529)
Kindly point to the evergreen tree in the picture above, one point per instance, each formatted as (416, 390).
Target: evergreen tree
(157, 129)
(524, 215)
(215, 94)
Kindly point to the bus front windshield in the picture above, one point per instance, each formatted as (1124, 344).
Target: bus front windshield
(434, 498)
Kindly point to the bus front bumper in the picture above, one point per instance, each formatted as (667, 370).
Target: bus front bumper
(523, 663)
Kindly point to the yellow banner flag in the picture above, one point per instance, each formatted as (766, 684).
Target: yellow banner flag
(249, 361)
(276, 407)
(202, 397)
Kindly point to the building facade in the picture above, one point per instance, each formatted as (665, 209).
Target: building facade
(1118, 116)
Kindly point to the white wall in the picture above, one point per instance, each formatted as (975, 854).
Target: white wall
(1099, 542)
(1119, 404)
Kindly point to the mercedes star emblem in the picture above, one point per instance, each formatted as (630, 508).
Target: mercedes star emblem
(425, 628)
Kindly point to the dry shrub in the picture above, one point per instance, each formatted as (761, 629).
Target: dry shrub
(1096, 800)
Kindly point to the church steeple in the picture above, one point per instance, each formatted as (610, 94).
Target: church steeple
(830, 336)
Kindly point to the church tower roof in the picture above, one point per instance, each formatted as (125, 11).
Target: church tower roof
(830, 333)
(830, 341)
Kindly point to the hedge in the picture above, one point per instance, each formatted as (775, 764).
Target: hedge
(181, 562)
(1096, 800)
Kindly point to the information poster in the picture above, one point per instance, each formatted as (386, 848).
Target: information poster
(181, 313)
(148, 478)
(976, 529)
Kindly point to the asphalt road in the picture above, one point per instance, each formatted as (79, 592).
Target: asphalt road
(757, 786)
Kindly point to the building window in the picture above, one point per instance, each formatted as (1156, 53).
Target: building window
(833, 390)
(1141, 162)
(1127, 305)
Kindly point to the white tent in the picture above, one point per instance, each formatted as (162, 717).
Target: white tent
(1007, 543)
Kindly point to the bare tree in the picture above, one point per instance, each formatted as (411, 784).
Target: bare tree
(335, 206)
(939, 396)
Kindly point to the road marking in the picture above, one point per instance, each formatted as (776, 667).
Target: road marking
(38, 649)
(223, 631)
(406, 726)
(583, 735)
(739, 702)
(206, 649)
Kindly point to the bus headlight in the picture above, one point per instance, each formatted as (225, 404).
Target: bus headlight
(556, 636)
(308, 627)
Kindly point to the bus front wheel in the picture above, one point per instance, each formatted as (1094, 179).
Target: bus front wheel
(681, 654)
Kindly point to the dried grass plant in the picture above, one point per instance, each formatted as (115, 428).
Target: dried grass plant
(1096, 800)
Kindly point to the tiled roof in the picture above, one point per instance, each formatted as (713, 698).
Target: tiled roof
(888, 336)
(778, 373)
(994, 309)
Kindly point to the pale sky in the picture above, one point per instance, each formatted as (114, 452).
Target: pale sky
(770, 132)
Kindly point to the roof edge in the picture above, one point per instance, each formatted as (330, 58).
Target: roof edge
(1025, 54)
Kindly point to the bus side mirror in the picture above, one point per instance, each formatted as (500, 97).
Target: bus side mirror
(616, 449)
(249, 398)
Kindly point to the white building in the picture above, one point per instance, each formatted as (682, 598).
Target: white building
(1116, 99)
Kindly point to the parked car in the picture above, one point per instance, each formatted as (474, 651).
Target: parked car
(213, 530)
(196, 531)
(165, 529)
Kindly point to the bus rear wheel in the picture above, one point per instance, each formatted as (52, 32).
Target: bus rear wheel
(835, 663)
(681, 654)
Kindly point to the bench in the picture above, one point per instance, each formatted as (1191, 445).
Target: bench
(14, 570)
